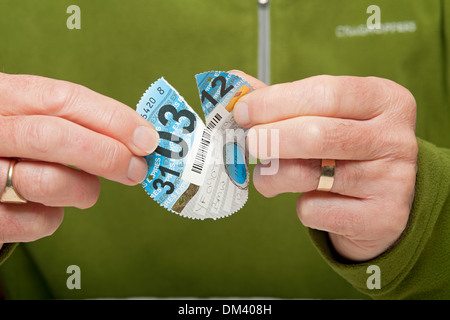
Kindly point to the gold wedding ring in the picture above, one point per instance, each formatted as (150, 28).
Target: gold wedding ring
(9, 194)
(327, 175)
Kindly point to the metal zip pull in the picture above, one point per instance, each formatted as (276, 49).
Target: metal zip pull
(264, 41)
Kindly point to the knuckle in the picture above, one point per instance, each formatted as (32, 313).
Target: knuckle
(402, 144)
(352, 225)
(261, 103)
(38, 222)
(308, 170)
(316, 137)
(79, 142)
(32, 229)
(405, 178)
(392, 222)
(349, 175)
(41, 181)
(9, 228)
(411, 146)
(396, 224)
(111, 117)
(409, 102)
(402, 102)
(333, 217)
(339, 219)
(342, 135)
(39, 137)
(323, 90)
(364, 87)
(44, 222)
(51, 222)
(56, 95)
(18, 83)
(110, 161)
(400, 218)
(405, 99)
(410, 183)
(10, 127)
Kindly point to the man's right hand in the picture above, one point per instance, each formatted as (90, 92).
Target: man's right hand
(51, 124)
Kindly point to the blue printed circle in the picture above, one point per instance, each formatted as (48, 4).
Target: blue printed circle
(234, 162)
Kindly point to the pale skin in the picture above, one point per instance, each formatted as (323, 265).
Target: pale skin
(368, 126)
(50, 124)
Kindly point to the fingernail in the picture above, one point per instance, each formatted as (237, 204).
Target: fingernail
(146, 139)
(240, 112)
(235, 71)
(137, 171)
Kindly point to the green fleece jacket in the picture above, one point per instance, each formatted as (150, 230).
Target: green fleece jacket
(127, 246)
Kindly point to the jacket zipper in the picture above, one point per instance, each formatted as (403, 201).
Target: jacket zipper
(264, 41)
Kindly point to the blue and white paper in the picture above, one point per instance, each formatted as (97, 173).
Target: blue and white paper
(198, 171)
